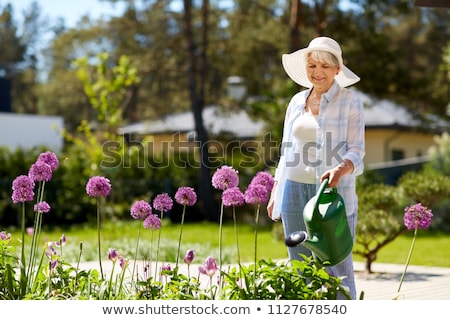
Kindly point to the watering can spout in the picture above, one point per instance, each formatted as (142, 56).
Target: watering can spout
(316, 244)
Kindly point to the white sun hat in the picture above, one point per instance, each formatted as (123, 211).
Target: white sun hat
(295, 63)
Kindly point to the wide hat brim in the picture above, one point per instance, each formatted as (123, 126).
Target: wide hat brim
(295, 66)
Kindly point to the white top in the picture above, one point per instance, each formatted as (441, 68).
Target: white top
(304, 131)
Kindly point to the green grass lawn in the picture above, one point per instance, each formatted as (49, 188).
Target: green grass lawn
(431, 248)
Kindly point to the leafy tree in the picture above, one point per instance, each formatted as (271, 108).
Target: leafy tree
(380, 217)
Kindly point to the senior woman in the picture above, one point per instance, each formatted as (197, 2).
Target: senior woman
(323, 137)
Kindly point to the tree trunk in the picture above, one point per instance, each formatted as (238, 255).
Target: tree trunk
(196, 92)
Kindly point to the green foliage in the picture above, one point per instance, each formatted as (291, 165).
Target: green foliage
(380, 217)
(294, 280)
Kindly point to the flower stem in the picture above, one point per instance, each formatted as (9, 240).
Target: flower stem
(23, 278)
(408, 259)
(157, 248)
(136, 252)
(220, 236)
(179, 239)
(236, 235)
(98, 238)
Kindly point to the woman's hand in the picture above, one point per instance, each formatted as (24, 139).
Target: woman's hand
(334, 175)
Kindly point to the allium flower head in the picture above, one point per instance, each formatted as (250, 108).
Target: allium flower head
(225, 177)
(417, 217)
(50, 159)
(163, 202)
(256, 194)
(22, 188)
(186, 196)
(265, 179)
(152, 222)
(189, 256)
(209, 268)
(98, 187)
(232, 197)
(140, 210)
(42, 207)
(40, 171)
(5, 236)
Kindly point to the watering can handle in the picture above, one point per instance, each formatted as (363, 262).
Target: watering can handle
(322, 188)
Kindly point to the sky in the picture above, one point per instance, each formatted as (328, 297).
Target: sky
(70, 10)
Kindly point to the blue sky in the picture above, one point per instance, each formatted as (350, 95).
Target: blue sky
(70, 10)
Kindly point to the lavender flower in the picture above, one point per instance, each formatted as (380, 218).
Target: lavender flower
(265, 179)
(163, 202)
(209, 268)
(98, 187)
(417, 217)
(186, 196)
(40, 171)
(152, 222)
(140, 210)
(42, 207)
(225, 177)
(232, 197)
(189, 256)
(256, 194)
(49, 158)
(22, 188)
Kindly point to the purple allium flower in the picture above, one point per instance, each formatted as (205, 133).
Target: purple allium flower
(417, 217)
(256, 194)
(152, 222)
(265, 179)
(98, 187)
(40, 171)
(189, 256)
(140, 210)
(42, 207)
(22, 188)
(186, 196)
(209, 268)
(163, 202)
(232, 197)
(5, 236)
(225, 177)
(49, 158)
(112, 254)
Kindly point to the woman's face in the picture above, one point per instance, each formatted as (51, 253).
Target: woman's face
(321, 74)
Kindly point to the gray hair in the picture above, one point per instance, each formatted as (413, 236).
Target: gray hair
(323, 56)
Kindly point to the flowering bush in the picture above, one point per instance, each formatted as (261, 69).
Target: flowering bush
(46, 274)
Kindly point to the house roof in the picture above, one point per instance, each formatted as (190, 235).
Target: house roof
(378, 113)
(216, 121)
(382, 113)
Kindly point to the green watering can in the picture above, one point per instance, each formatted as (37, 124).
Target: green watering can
(327, 232)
